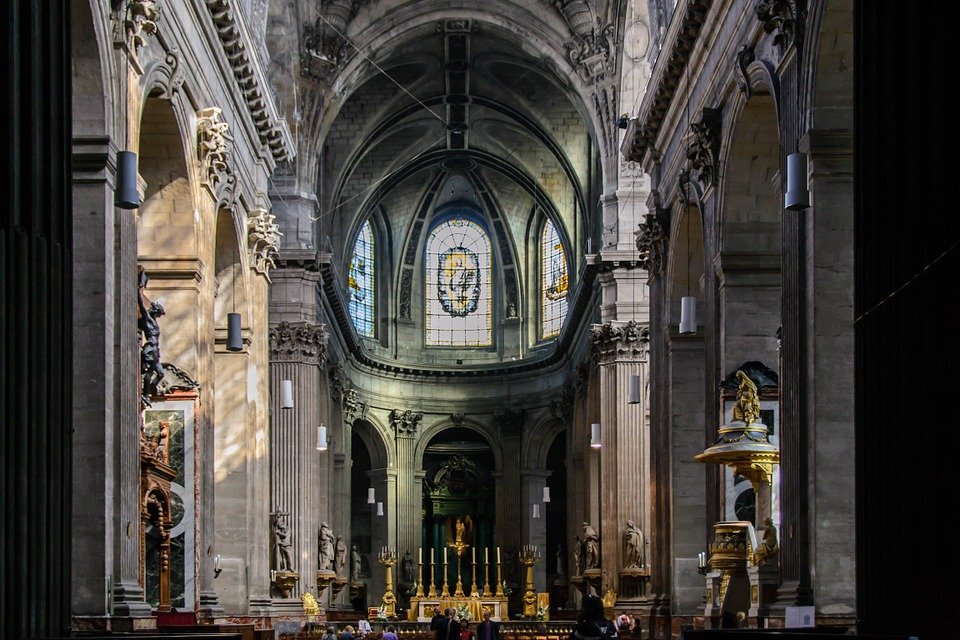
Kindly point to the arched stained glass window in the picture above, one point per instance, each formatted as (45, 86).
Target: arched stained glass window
(360, 281)
(554, 283)
(458, 285)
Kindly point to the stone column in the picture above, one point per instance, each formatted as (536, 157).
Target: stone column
(405, 425)
(297, 353)
(383, 530)
(508, 534)
(621, 351)
(534, 530)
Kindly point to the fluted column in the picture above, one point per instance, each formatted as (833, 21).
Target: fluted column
(406, 424)
(532, 482)
(621, 350)
(297, 352)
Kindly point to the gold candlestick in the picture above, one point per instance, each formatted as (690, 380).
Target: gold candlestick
(445, 591)
(459, 592)
(500, 593)
(420, 580)
(388, 558)
(486, 571)
(432, 593)
(473, 577)
(529, 556)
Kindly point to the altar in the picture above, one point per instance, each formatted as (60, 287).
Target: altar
(422, 609)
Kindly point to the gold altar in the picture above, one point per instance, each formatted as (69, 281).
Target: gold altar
(422, 608)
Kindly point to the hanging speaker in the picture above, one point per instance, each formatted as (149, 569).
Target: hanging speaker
(379, 508)
(286, 394)
(371, 496)
(125, 194)
(634, 390)
(321, 438)
(234, 338)
(688, 315)
(536, 510)
(546, 494)
(797, 197)
(595, 435)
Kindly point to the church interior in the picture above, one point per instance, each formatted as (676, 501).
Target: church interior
(320, 311)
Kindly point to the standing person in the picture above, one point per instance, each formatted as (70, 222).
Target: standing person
(363, 627)
(448, 628)
(347, 633)
(592, 624)
(488, 629)
(390, 633)
(329, 634)
(466, 633)
(435, 621)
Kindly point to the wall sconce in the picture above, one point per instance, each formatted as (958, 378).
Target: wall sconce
(371, 496)
(234, 338)
(379, 508)
(688, 315)
(702, 563)
(634, 390)
(217, 570)
(322, 441)
(595, 435)
(797, 196)
(536, 510)
(125, 194)
(286, 394)
(546, 494)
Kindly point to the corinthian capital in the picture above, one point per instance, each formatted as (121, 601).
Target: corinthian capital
(300, 342)
(627, 341)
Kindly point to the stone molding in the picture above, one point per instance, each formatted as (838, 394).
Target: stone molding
(214, 147)
(263, 237)
(780, 17)
(611, 342)
(405, 422)
(300, 342)
(139, 19)
(745, 57)
(271, 128)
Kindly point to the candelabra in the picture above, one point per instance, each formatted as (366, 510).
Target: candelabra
(445, 588)
(529, 556)
(458, 547)
(420, 576)
(500, 593)
(486, 570)
(388, 557)
(432, 593)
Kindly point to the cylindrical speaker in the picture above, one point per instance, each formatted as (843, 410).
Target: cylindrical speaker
(125, 194)
(286, 394)
(371, 496)
(546, 494)
(379, 508)
(688, 315)
(536, 510)
(634, 390)
(595, 435)
(234, 337)
(797, 196)
(321, 438)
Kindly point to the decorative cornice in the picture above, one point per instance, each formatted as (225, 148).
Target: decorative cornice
(301, 342)
(510, 423)
(612, 342)
(703, 146)
(271, 128)
(263, 237)
(669, 69)
(780, 17)
(405, 422)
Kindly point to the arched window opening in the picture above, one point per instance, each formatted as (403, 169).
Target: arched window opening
(360, 282)
(459, 285)
(554, 282)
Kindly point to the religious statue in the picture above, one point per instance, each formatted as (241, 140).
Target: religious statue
(150, 369)
(747, 408)
(310, 606)
(767, 550)
(632, 547)
(559, 560)
(280, 537)
(459, 532)
(356, 563)
(591, 548)
(578, 556)
(340, 556)
(325, 548)
(407, 571)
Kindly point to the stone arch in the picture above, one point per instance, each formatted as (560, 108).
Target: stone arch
(373, 434)
(748, 260)
(828, 74)
(539, 439)
(90, 90)
(431, 432)
(686, 262)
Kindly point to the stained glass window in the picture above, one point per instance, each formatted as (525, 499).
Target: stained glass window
(360, 282)
(458, 285)
(553, 281)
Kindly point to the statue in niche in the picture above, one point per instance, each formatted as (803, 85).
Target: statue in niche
(578, 556)
(340, 556)
(356, 563)
(632, 547)
(591, 548)
(282, 542)
(407, 571)
(459, 526)
(747, 408)
(325, 548)
(151, 370)
(767, 551)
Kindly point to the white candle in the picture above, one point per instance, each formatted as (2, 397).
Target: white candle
(420, 553)
(431, 557)
(473, 555)
(444, 555)
(498, 555)
(486, 555)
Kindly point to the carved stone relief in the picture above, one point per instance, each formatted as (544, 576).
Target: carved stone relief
(300, 342)
(611, 342)
(214, 144)
(405, 422)
(263, 236)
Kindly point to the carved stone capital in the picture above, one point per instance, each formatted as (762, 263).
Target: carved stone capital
(703, 146)
(214, 145)
(611, 342)
(651, 240)
(405, 422)
(263, 237)
(780, 17)
(337, 380)
(324, 48)
(353, 408)
(301, 342)
(140, 19)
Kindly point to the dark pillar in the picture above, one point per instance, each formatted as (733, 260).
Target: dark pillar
(35, 321)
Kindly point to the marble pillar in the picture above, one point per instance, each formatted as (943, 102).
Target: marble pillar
(297, 353)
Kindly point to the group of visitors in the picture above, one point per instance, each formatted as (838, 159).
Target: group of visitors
(446, 625)
(349, 633)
